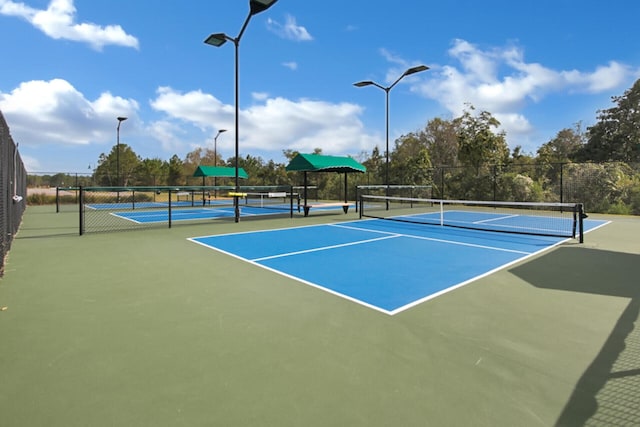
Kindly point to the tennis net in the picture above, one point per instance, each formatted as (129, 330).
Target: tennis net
(279, 200)
(542, 219)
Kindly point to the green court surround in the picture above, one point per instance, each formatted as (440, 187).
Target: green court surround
(144, 328)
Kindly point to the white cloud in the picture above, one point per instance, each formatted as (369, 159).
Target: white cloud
(516, 123)
(482, 65)
(289, 30)
(499, 80)
(183, 111)
(58, 21)
(54, 112)
(195, 107)
(291, 65)
(271, 125)
(169, 134)
(260, 96)
(304, 125)
(604, 78)
(393, 58)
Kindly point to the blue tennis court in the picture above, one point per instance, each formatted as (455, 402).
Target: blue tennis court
(137, 205)
(385, 265)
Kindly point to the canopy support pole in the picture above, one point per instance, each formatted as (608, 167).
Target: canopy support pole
(345, 188)
(305, 188)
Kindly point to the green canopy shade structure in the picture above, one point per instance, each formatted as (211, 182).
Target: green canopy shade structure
(321, 163)
(219, 172)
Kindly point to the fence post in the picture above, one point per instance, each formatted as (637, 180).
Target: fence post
(169, 208)
(495, 176)
(561, 183)
(80, 210)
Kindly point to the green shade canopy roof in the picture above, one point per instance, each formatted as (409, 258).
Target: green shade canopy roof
(321, 163)
(219, 172)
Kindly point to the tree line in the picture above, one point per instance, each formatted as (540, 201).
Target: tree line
(466, 157)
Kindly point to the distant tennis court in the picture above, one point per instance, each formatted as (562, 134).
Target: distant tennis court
(388, 266)
(190, 209)
(191, 214)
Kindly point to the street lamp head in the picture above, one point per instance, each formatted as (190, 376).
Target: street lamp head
(364, 83)
(217, 39)
(221, 130)
(122, 119)
(416, 69)
(257, 6)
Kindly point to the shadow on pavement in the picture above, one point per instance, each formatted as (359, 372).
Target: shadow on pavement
(608, 393)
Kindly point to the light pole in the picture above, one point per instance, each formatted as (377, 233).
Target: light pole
(120, 120)
(217, 40)
(215, 160)
(215, 147)
(387, 89)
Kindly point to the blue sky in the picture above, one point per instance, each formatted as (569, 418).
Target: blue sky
(69, 68)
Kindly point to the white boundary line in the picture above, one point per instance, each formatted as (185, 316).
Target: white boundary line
(452, 242)
(325, 248)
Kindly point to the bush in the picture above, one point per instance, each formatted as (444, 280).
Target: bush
(40, 199)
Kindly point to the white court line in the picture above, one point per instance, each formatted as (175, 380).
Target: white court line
(495, 219)
(324, 248)
(452, 242)
(118, 215)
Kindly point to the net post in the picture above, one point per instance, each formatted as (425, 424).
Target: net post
(441, 213)
(170, 208)
(581, 217)
(361, 201)
(80, 209)
(290, 189)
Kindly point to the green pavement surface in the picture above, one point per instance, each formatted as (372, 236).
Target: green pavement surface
(144, 328)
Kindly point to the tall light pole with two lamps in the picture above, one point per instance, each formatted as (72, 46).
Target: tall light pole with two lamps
(118, 183)
(217, 40)
(387, 89)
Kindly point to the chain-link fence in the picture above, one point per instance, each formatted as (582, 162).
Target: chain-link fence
(612, 187)
(13, 189)
(106, 209)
